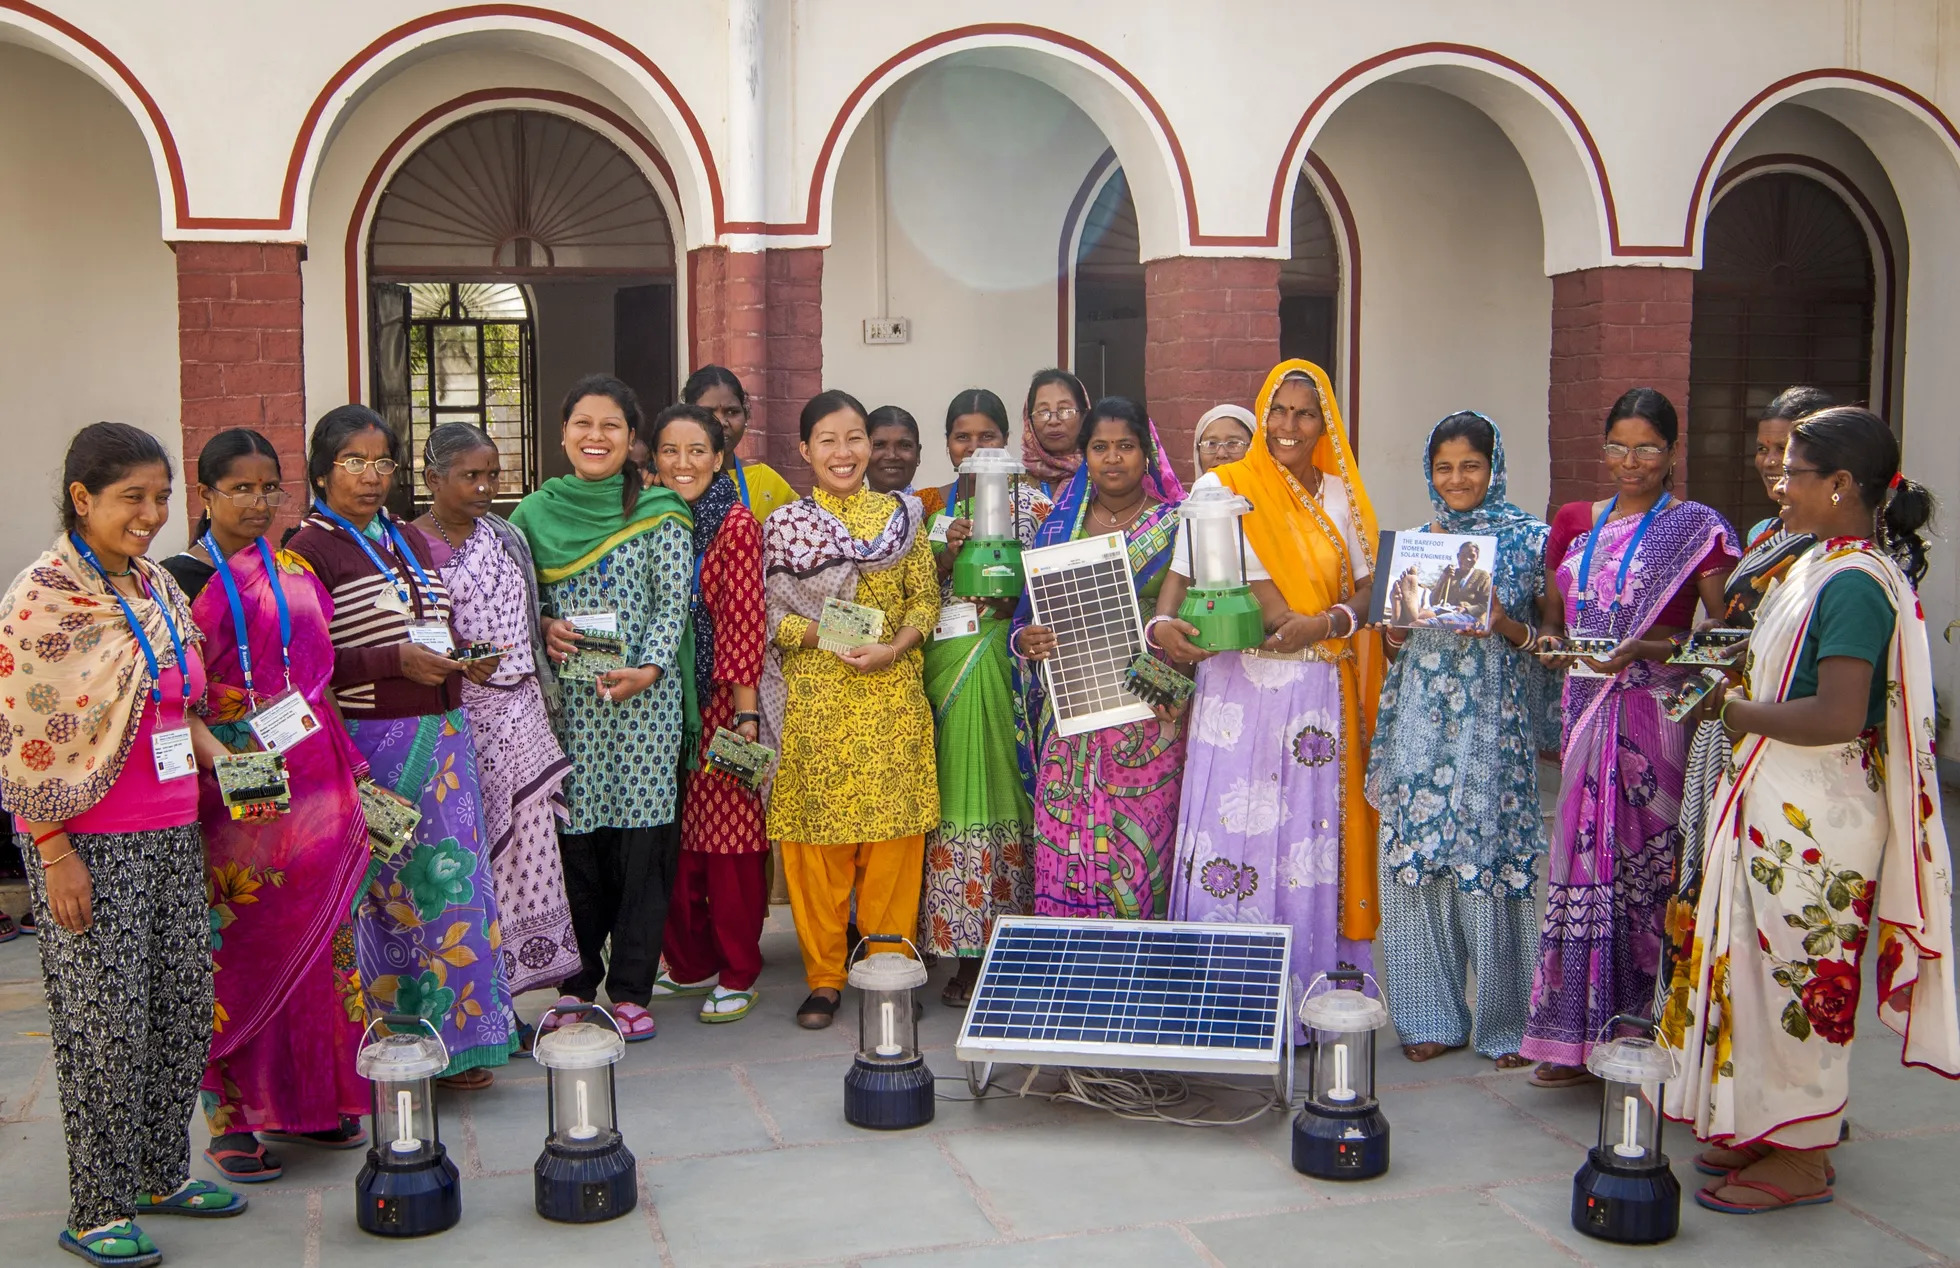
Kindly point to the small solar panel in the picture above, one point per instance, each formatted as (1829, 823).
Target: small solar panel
(1133, 994)
(1083, 591)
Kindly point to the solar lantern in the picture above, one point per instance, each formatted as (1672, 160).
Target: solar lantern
(408, 1187)
(1340, 1133)
(989, 565)
(1220, 602)
(586, 1173)
(1626, 1191)
(889, 1086)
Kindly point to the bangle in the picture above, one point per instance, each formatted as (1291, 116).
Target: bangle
(1150, 625)
(1353, 623)
(49, 835)
(1394, 638)
(48, 863)
(1723, 716)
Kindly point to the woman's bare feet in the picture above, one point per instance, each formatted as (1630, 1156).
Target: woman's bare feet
(1427, 1051)
(1780, 1178)
(1552, 1074)
(1513, 1061)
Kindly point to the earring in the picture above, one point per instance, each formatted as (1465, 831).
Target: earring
(1836, 498)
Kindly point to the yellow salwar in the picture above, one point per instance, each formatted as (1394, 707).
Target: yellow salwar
(885, 875)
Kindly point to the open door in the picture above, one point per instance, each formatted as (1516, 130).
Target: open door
(388, 375)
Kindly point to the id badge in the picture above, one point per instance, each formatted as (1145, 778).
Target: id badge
(390, 600)
(172, 751)
(940, 523)
(436, 638)
(957, 620)
(284, 723)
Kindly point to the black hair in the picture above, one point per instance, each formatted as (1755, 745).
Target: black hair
(1464, 425)
(706, 419)
(893, 416)
(1043, 378)
(616, 391)
(822, 406)
(1125, 411)
(101, 454)
(1857, 441)
(450, 441)
(336, 427)
(711, 376)
(978, 400)
(1793, 403)
(1648, 405)
(219, 453)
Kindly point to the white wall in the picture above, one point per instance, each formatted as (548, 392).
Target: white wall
(1455, 307)
(981, 166)
(88, 293)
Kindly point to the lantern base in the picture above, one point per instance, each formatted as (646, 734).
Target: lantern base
(586, 1186)
(1340, 1144)
(408, 1201)
(1636, 1205)
(1227, 620)
(888, 1097)
(988, 568)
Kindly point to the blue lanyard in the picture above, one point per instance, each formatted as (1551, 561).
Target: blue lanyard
(1626, 560)
(244, 636)
(742, 483)
(374, 556)
(136, 627)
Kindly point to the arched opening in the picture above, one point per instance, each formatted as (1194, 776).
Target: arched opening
(506, 254)
(1785, 295)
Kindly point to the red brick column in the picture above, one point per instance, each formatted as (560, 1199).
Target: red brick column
(1211, 337)
(1613, 329)
(761, 315)
(238, 339)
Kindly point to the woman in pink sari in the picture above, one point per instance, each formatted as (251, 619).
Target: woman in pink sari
(282, 888)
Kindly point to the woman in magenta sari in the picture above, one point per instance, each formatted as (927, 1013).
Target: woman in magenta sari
(1630, 568)
(282, 890)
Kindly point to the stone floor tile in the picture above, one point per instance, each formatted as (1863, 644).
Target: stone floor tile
(843, 1201)
(1907, 1184)
(684, 1111)
(500, 1226)
(1451, 1228)
(1132, 1248)
(271, 1231)
(21, 1065)
(33, 1169)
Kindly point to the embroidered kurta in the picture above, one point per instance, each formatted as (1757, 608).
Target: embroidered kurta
(718, 815)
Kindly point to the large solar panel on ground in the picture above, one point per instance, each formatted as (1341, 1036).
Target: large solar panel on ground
(1083, 591)
(1132, 994)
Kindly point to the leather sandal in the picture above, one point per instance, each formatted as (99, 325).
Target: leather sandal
(228, 1161)
(816, 1012)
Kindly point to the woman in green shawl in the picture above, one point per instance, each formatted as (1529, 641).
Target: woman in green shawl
(613, 564)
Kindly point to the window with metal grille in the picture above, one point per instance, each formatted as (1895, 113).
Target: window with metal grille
(471, 359)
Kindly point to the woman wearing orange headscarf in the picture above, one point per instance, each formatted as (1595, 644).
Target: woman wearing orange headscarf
(1274, 827)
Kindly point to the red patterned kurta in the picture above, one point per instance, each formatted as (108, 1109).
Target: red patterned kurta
(718, 815)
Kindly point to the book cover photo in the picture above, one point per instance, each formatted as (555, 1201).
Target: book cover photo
(1434, 581)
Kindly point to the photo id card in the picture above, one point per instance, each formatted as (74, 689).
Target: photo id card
(957, 620)
(284, 722)
(172, 751)
(940, 523)
(436, 638)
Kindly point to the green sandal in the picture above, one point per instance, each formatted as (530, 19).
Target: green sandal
(120, 1245)
(714, 1016)
(198, 1198)
(665, 987)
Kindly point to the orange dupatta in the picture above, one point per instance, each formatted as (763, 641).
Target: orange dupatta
(1307, 557)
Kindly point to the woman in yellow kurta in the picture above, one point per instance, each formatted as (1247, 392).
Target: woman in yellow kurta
(855, 789)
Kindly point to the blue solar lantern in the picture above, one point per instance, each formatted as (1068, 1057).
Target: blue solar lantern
(408, 1186)
(889, 1086)
(1627, 1192)
(1340, 1133)
(586, 1173)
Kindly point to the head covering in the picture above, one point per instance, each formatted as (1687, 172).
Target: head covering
(1159, 481)
(572, 524)
(1238, 413)
(1043, 465)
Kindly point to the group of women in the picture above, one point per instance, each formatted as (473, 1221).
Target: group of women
(543, 693)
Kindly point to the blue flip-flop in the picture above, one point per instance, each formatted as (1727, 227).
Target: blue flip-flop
(186, 1200)
(142, 1251)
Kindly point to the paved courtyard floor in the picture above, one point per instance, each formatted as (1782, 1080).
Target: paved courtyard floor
(745, 1159)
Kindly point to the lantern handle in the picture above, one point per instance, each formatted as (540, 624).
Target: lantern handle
(575, 1010)
(865, 940)
(1341, 976)
(1648, 1024)
(395, 1021)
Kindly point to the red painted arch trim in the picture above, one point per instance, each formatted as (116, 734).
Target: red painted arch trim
(1888, 260)
(289, 194)
(179, 190)
(357, 310)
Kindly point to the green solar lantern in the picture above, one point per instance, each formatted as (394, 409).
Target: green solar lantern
(1220, 602)
(989, 565)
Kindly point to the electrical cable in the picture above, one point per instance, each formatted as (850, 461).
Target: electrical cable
(1139, 1095)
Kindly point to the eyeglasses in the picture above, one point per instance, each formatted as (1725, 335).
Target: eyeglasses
(1223, 446)
(1639, 453)
(1066, 414)
(360, 466)
(248, 498)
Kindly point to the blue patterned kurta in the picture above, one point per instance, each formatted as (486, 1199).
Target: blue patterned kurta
(625, 755)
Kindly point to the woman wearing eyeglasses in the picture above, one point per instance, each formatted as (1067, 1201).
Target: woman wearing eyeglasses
(1631, 568)
(716, 389)
(1224, 434)
(424, 933)
(1050, 421)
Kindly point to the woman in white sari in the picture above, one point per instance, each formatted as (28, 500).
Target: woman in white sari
(1824, 829)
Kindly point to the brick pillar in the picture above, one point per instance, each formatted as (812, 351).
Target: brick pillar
(761, 315)
(1613, 329)
(1212, 336)
(238, 341)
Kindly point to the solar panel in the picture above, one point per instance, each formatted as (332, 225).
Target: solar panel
(1083, 591)
(1133, 994)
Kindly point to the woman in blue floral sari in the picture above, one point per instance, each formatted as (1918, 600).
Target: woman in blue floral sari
(1454, 774)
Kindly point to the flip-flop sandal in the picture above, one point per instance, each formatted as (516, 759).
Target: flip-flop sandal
(223, 1160)
(1574, 1078)
(665, 987)
(120, 1245)
(956, 994)
(473, 1080)
(199, 1199)
(351, 1135)
(713, 1015)
(636, 1024)
(1784, 1199)
(558, 1019)
(26, 924)
(1708, 1168)
(8, 929)
(816, 1012)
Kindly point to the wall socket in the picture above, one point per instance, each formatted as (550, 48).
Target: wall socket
(887, 330)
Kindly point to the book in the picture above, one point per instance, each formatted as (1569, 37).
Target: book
(1433, 581)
